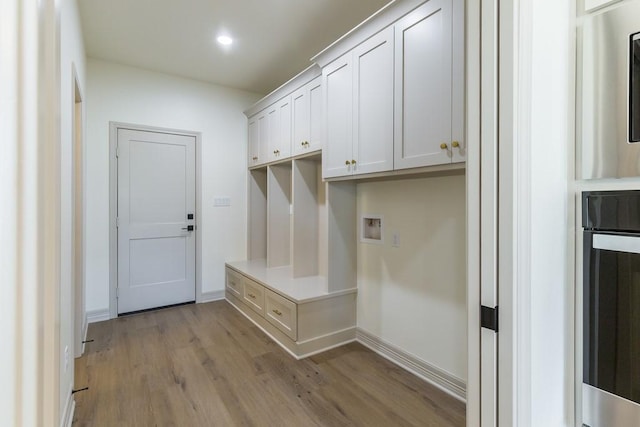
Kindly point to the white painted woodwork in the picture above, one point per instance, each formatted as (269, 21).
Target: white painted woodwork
(156, 191)
(373, 104)
(253, 142)
(305, 218)
(284, 128)
(311, 319)
(278, 215)
(489, 210)
(257, 214)
(281, 313)
(423, 82)
(253, 296)
(279, 123)
(337, 81)
(234, 282)
(342, 235)
(273, 132)
(316, 115)
(264, 135)
(307, 117)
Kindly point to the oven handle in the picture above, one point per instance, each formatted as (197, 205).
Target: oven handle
(610, 242)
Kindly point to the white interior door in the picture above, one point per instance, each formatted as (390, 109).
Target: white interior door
(156, 195)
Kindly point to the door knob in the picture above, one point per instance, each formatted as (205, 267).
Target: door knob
(455, 144)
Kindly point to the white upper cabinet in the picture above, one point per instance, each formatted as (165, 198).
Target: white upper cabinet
(359, 108)
(423, 86)
(288, 121)
(307, 117)
(373, 104)
(279, 117)
(337, 81)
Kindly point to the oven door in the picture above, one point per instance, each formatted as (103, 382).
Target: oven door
(611, 369)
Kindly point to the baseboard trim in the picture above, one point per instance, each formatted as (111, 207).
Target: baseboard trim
(69, 410)
(443, 380)
(211, 296)
(101, 315)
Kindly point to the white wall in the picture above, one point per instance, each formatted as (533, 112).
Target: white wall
(414, 296)
(125, 94)
(71, 54)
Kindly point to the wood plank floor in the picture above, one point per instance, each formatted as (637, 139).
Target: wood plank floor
(207, 365)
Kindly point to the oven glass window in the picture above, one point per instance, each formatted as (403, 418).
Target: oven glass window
(634, 90)
(612, 323)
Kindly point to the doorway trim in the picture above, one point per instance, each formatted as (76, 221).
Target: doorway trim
(113, 206)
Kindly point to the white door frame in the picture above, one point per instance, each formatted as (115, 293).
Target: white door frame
(498, 203)
(78, 214)
(113, 207)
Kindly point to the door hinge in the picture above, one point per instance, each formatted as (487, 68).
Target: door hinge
(117, 222)
(489, 317)
(117, 151)
(117, 293)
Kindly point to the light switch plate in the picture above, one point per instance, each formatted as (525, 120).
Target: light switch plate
(221, 201)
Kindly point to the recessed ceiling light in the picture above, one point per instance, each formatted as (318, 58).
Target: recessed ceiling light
(225, 40)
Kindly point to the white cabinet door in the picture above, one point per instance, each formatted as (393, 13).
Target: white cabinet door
(273, 124)
(263, 137)
(423, 86)
(254, 141)
(373, 104)
(284, 119)
(300, 119)
(315, 114)
(337, 81)
(307, 117)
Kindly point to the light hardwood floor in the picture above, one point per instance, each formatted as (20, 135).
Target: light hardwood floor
(206, 365)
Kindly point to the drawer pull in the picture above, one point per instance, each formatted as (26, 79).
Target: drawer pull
(278, 312)
(252, 296)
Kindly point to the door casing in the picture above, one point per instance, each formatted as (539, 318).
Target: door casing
(113, 206)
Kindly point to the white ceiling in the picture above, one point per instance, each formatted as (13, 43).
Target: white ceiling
(273, 39)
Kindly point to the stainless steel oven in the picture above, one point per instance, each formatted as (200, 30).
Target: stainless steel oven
(609, 92)
(611, 310)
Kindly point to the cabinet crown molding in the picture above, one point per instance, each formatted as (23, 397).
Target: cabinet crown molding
(294, 83)
(369, 27)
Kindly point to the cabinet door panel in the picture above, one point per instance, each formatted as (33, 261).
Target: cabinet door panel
(315, 114)
(423, 86)
(300, 120)
(254, 141)
(283, 146)
(263, 135)
(273, 124)
(373, 104)
(337, 80)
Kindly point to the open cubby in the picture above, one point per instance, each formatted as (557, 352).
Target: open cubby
(257, 217)
(279, 215)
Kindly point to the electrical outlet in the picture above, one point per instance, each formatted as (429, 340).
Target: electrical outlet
(66, 358)
(396, 240)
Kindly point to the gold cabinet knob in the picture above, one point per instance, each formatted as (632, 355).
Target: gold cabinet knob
(255, 158)
(306, 143)
(455, 144)
(278, 312)
(443, 146)
(347, 162)
(353, 162)
(302, 143)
